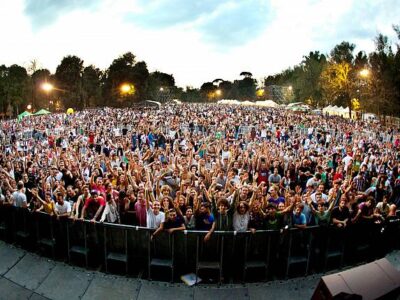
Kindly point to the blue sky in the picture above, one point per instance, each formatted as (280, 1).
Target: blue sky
(195, 40)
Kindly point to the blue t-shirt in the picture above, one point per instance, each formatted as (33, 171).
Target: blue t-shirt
(276, 201)
(299, 219)
(204, 222)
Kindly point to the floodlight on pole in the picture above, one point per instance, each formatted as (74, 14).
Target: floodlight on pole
(47, 87)
(127, 89)
(218, 92)
(364, 73)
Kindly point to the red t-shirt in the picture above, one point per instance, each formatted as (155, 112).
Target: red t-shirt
(91, 138)
(92, 205)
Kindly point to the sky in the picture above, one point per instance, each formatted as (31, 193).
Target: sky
(195, 40)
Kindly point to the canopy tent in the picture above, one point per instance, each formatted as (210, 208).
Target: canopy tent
(247, 103)
(177, 101)
(228, 101)
(294, 104)
(298, 108)
(154, 102)
(23, 115)
(338, 111)
(41, 112)
(267, 103)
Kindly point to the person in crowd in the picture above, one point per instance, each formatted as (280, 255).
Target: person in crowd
(298, 218)
(62, 207)
(340, 215)
(110, 213)
(174, 222)
(93, 207)
(19, 197)
(207, 167)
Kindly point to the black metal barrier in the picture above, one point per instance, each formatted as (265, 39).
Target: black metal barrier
(226, 256)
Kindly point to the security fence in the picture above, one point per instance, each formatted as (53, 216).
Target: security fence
(227, 256)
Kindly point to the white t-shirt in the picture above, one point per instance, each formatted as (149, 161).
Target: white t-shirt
(62, 209)
(154, 221)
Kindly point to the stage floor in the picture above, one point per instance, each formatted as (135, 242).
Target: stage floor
(24, 275)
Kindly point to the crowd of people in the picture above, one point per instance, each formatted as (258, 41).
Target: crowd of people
(202, 167)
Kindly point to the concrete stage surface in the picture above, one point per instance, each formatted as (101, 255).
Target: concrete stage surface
(24, 275)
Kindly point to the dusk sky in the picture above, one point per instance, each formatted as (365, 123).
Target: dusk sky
(194, 40)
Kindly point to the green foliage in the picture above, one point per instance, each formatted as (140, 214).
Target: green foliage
(91, 87)
(69, 82)
(125, 70)
(39, 98)
(319, 79)
(343, 53)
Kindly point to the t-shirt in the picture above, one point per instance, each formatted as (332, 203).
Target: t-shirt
(204, 222)
(274, 178)
(299, 219)
(340, 215)
(62, 209)
(274, 223)
(176, 223)
(92, 205)
(19, 198)
(277, 200)
(141, 213)
(154, 221)
(48, 207)
(322, 218)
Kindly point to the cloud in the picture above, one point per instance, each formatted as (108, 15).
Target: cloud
(363, 20)
(236, 24)
(159, 14)
(45, 12)
(223, 22)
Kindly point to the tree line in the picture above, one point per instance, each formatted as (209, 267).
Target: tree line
(360, 81)
(370, 82)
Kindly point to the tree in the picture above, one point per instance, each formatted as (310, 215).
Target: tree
(246, 74)
(161, 86)
(384, 82)
(217, 81)
(343, 53)
(4, 103)
(39, 97)
(245, 88)
(207, 91)
(17, 87)
(337, 83)
(122, 70)
(226, 89)
(69, 82)
(306, 83)
(361, 60)
(91, 87)
(192, 95)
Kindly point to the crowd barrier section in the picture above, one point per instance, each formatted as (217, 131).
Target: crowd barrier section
(161, 252)
(129, 249)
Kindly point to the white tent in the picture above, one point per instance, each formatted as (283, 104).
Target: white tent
(294, 104)
(247, 103)
(155, 102)
(177, 101)
(229, 101)
(267, 103)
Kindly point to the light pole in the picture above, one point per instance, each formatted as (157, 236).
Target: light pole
(364, 74)
(47, 87)
(127, 89)
(164, 94)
